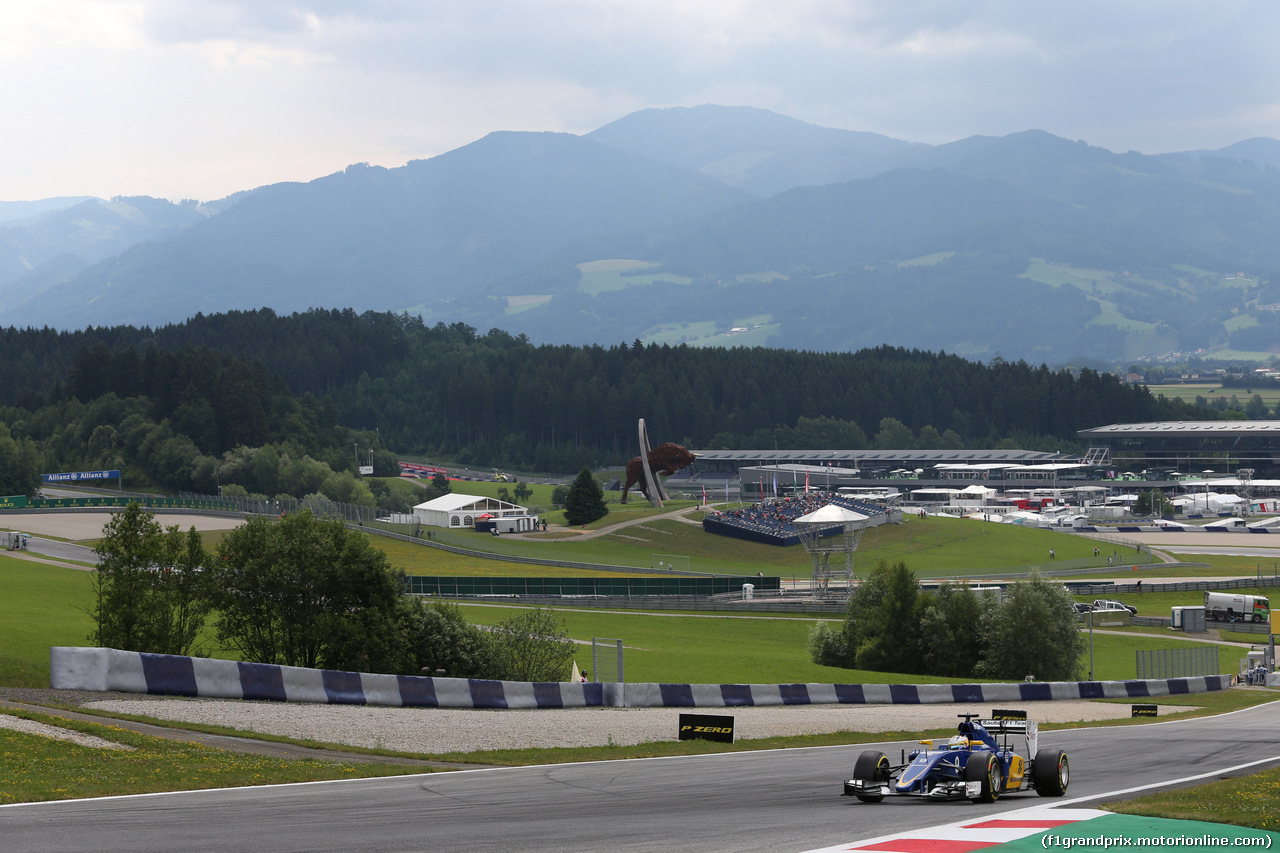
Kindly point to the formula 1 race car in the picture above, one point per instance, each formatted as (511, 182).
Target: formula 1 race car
(972, 764)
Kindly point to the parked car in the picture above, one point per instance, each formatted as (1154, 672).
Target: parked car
(1112, 604)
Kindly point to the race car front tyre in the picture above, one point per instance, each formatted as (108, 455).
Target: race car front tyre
(1051, 773)
(872, 766)
(988, 773)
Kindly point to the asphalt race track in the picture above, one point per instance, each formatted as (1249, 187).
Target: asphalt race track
(785, 800)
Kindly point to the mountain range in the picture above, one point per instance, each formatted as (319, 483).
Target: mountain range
(714, 226)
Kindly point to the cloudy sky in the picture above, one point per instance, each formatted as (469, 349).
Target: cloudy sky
(201, 98)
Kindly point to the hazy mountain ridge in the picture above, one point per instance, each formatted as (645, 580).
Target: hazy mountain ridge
(815, 238)
(757, 150)
(15, 211)
(58, 240)
(377, 238)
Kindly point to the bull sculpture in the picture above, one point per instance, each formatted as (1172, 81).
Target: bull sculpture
(666, 458)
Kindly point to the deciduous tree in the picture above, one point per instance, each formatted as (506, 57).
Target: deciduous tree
(150, 586)
(305, 591)
(880, 622)
(1034, 630)
(950, 631)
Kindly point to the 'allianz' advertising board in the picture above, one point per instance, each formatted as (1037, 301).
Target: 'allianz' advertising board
(80, 476)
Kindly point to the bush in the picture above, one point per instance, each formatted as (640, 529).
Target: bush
(444, 640)
(533, 646)
(826, 646)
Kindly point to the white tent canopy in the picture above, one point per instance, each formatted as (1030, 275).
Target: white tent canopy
(1209, 501)
(831, 514)
(919, 494)
(454, 510)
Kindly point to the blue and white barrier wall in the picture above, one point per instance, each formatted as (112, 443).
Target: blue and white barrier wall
(137, 672)
(739, 695)
(173, 675)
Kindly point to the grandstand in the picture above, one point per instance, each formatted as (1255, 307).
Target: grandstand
(772, 522)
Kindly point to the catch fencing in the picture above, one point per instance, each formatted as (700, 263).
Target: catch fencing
(478, 586)
(1177, 663)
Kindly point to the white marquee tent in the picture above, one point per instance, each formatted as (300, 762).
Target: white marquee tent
(455, 510)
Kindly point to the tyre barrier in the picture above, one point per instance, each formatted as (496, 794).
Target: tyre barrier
(77, 668)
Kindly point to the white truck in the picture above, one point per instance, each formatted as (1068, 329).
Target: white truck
(1234, 607)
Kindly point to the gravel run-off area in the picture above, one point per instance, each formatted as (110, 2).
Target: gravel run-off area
(441, 730)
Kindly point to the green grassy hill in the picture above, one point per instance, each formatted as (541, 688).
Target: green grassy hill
(934, 547)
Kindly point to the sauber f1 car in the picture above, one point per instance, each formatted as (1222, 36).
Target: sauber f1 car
(980, 763)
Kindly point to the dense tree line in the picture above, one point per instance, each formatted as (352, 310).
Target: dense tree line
(300, 591)
(169, 404)
(892, 625)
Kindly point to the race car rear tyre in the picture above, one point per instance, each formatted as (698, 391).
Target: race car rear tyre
(872, 766)
(988, 772)
(1050, 773)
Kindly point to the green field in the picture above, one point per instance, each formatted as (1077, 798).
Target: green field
(47, 606)
(519, 304)
(620, 273)
(755, 331)
(754, 336)
(729, 649)
(1268, 391)
(934, 547)
(42, 606)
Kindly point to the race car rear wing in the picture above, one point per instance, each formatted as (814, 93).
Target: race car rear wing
(1014, 723)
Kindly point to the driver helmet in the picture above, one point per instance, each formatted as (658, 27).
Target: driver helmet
(958, 742)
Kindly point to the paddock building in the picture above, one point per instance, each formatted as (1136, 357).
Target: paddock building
(767, 473)
(1178, 449)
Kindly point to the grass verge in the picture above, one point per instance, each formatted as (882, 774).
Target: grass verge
(1243, 801)
(35, 768)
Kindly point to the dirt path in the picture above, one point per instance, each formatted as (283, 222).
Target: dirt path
(578, 533)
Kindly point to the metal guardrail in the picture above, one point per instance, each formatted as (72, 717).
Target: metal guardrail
(1242, 627)
(1188, 586)
(590, 587)
(834, 609)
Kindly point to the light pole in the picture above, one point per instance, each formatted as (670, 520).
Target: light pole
(1091, 645)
